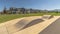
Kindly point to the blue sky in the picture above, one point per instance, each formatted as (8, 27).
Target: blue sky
(35, 4)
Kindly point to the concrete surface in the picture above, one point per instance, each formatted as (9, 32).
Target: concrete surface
(3, 30)
(54, 28)
(15, 26)
(35, 29)
(26, 25)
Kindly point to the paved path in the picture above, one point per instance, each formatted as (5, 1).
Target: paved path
(54, 28)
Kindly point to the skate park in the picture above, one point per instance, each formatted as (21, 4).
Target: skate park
(31, 25)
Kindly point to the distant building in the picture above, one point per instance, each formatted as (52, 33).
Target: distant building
(13, 10)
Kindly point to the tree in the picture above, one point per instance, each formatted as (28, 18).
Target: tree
(4, 11)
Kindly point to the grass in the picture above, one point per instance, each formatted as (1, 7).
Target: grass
(4, 18)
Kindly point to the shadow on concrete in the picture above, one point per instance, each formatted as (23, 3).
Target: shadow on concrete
(36, 21)
(47, 16)
(54, 28)
(21, 23)
(24, 23)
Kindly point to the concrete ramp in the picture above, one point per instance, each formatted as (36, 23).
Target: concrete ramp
(25, 23)
(47, 17)
(37, 28)
(22, 24)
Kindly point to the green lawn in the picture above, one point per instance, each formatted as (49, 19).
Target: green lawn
(4, 18)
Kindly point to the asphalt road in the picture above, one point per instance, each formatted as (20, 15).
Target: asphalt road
(54, 28)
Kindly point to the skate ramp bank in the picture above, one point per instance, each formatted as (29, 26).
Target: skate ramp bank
(35, 29)
(23, 24)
